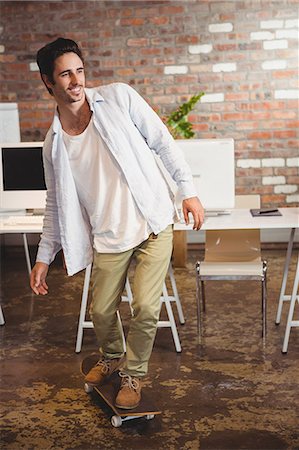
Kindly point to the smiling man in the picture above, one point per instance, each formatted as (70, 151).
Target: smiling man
(108, 202)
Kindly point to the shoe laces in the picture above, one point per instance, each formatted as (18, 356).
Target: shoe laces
(104, 364)
(127, 380)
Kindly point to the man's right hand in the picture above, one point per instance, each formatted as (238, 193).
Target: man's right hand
(38, 278)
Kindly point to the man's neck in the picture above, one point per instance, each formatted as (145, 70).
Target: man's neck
(74, 118)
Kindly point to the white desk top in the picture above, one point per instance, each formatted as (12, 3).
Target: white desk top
(6, 227)
(238, 219)
(242, 219)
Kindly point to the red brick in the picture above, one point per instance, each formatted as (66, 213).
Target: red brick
(138, 42)
(272, 124)
(284, 74)
(7, 58)
(200, 127)
(284, 134)
(287, 171)
(176, 89)
(134, 21)
(244, 125)
(237, 96)
(148, 51)
(292, 124)
(293, 180)
(169, 10)
(273, 200)
(164, 99)
(146, 12)
(260, 135)
(225, 47)
(187, 39)
(162, 20)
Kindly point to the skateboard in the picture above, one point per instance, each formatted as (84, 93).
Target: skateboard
(108, 391)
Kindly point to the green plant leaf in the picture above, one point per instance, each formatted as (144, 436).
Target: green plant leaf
(177, 121)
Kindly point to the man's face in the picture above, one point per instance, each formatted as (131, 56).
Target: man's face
(69, 79)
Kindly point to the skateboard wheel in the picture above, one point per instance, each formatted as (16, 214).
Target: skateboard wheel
(116, 421)
(150, 416)
(87, 388)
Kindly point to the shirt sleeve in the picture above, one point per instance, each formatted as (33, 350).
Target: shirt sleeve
(49, 244)
(159, 140)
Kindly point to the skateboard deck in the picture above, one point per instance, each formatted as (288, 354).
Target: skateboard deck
(108, 391)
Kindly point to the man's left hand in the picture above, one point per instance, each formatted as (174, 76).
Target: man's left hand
(194, 206)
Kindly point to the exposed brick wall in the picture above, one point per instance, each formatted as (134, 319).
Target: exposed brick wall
(242, 54)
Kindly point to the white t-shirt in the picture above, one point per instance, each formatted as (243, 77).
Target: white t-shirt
(117, 224)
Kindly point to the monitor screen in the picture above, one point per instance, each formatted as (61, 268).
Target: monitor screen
(22, 181)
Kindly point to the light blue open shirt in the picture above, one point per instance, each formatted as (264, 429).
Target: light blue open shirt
(132, 131)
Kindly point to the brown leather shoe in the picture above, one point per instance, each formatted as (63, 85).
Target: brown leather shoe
(102, 370)
(129, 394)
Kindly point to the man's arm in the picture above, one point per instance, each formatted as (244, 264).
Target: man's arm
(162, 143)
(49, 244)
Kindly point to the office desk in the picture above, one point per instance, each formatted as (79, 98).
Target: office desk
(242, 219)
(238, 219)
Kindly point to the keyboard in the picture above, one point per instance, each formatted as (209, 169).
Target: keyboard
(22, 220)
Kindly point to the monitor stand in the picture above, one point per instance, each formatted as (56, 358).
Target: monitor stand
(35, 212)
(216, 212)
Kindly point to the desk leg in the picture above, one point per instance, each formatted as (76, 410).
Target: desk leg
(282, 296)
(27, 253)
(179, 256)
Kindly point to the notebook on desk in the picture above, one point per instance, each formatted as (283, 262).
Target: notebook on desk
(265, 212)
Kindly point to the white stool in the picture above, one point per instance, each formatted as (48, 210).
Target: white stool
(165, 298)
(292, 299)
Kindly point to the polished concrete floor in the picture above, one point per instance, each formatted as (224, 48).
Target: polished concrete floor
(228, 392)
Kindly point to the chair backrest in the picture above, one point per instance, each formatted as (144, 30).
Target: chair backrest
(235, 245)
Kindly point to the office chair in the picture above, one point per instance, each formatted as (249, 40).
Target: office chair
(232, 255)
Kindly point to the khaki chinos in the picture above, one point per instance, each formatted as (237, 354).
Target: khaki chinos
(108, 281)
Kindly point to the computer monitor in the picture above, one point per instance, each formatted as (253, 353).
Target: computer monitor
(212, 162)
(22, 182)
(9, 122)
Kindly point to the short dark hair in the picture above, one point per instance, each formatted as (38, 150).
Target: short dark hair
(47, 55)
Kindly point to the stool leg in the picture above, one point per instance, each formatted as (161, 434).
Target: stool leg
(176, 295)
(285, 276)
(2, 321)
(171, 320)
(264, 300)
(83, 309)
(291, 310)
(27, 255)
(198, 303)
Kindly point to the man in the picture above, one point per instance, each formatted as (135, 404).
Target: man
(107, 202)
